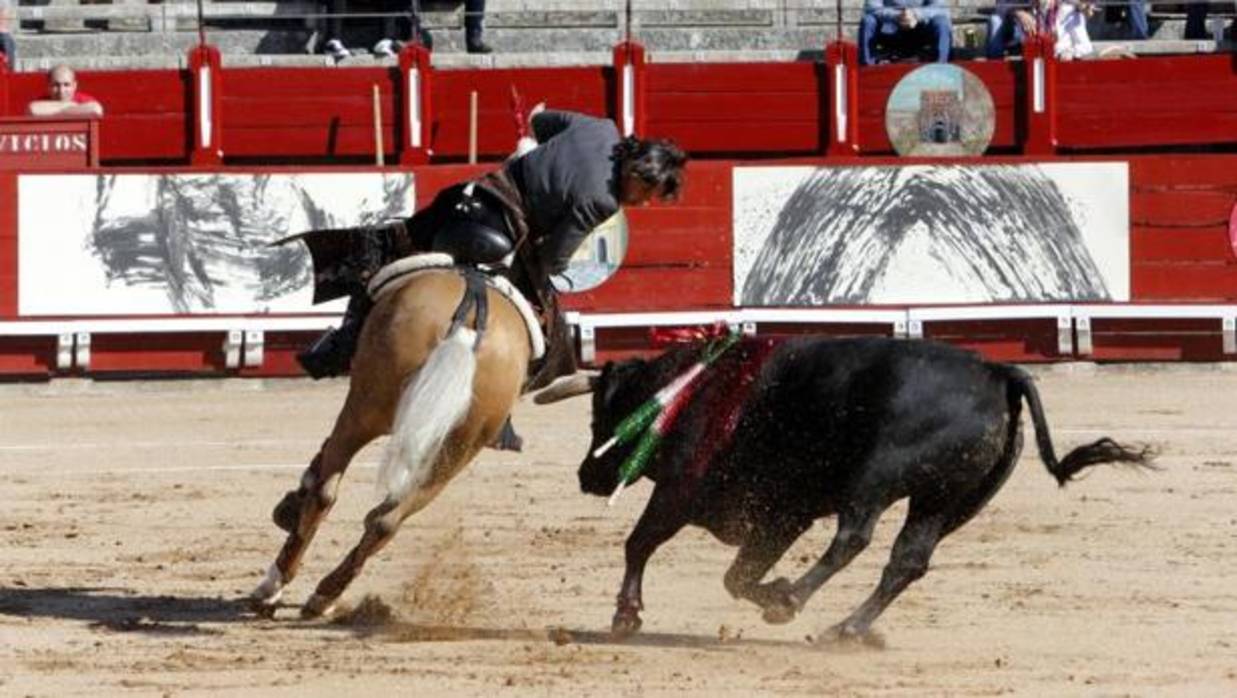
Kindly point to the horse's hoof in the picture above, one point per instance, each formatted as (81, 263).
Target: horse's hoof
(625, 624)
(317, 606)
(262, 609)
(287, 513)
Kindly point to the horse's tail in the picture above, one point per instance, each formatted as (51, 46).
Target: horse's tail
(433, 402)
(1103, 450)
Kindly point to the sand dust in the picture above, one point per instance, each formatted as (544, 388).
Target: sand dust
(136, 518)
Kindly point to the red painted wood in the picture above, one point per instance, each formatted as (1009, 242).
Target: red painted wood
(1196, 283)
(1183, 170)
(1178, 244)
(1182, 207)
(27, 356)
(189, 352)
(584, 89)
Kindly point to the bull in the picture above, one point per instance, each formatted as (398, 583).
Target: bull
(779, 434)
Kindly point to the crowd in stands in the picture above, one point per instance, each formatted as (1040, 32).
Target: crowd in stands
(401, 23)
(889, 30)
(895, 30)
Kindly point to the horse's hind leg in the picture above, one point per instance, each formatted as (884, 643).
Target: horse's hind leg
(305, 509)
(381, 523)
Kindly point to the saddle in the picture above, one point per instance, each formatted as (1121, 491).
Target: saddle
(398, 273)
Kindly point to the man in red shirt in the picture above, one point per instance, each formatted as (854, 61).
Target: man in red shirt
(62, 97)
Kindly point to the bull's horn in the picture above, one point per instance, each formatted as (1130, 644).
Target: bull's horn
(563, 388)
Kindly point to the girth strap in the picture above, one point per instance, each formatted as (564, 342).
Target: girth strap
(474, 295)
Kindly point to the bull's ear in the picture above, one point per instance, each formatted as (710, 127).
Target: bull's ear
(576, 384)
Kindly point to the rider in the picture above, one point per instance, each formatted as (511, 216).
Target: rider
(540, 205)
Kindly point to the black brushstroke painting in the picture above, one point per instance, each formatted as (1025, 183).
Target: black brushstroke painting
(209, 233)
(1007, 231)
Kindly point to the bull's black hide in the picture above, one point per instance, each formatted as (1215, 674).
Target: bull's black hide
(840, 427)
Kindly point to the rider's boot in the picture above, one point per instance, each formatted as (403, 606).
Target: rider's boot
(331, 354)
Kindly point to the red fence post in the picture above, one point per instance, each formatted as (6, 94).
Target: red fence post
(4, 85)
(415, 130)
(842, 64)
(205, 77)
(630, 71)
(1040, 62)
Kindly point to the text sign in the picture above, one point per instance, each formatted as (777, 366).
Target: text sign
(30, 144)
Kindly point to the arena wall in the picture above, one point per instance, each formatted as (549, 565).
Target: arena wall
(1173, 120)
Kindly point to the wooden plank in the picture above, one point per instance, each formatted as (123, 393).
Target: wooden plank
(722, 78)
(1197, 283)
(8, 245)
(755, 109)
(1177, 244)
(1182, 207)
(647, 289)
(1183, 171)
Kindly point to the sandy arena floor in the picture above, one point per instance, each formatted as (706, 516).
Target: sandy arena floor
(135, 515)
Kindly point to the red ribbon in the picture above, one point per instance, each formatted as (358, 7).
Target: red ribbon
(517, 112)
(660, 337)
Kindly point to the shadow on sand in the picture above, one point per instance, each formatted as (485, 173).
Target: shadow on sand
(117, 609)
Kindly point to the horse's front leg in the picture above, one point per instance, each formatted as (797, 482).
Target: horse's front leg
(663, 517)
(300, 513)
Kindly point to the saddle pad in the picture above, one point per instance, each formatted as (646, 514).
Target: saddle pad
(394, 275)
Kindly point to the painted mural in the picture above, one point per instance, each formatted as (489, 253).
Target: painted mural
(808, 236)
(185, 243)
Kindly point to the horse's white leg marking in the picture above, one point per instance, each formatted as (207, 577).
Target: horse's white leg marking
(271, 588)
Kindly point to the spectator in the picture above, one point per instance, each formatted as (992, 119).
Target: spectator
(1136, 11)
(1009, 24)
(474, 16)
(63, 97)
(1196, 21)
(896, 29)
(7, 46)
(333, 29)
(407, 26)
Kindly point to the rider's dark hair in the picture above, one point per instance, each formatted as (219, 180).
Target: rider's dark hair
(655, 161)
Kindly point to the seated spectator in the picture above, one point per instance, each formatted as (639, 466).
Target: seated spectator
(899, 29)
(1135, 11)
(63, 98)
(1196, 21)
(1067, 19)
(7, 19)
(474, 17)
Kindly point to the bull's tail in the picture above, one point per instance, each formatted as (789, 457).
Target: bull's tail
(1103, 450)
(433, 402)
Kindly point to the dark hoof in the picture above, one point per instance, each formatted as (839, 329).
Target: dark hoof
(845, 635)
(507, 439)
(625, 624)
(779, 603)
(261, 608)
(287, 513)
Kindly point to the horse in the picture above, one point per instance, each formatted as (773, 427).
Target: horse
(440, 362)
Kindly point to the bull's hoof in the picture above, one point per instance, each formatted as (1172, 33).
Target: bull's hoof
(317, 606)
(287, 513)
(625, 624)
(778, 602)
(779, 614)
(850, 636)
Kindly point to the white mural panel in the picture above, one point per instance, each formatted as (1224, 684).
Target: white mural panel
(929, 234)
(185, 243)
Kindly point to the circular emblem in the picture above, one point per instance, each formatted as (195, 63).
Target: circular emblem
(597, 258)
(940, 110)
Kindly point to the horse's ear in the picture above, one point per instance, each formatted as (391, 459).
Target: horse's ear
(576, 384)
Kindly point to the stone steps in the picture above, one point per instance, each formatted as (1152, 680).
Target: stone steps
(523, 32)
